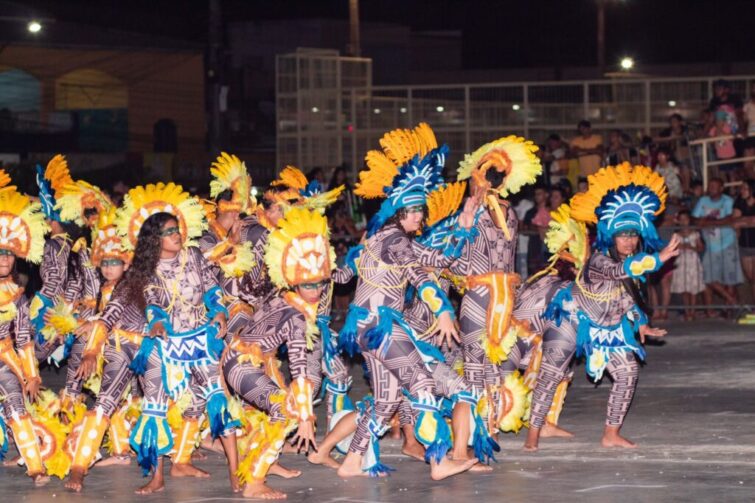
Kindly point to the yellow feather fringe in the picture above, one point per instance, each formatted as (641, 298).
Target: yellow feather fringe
(238, 262)
(444, 202)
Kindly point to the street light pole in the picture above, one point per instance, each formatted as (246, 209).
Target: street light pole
(601, 42)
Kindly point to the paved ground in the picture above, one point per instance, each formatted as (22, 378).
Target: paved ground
(693, 416)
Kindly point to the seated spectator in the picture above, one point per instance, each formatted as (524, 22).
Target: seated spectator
(618, 149)
(722, 270)
(587, 148)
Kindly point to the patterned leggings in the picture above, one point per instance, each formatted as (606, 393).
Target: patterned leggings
(394, 366)
(447, 383)
(559, 345)
(12, 392)
(74, 384)
(253, 385)
(116, 376)
(478, 370)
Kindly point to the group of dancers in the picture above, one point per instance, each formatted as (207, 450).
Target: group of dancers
(175, 313)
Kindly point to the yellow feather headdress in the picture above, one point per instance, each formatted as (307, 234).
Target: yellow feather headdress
(230, 173)
(142, 202)
(22, 225)
(513, 156)
(5, 180)
(106, 242)
(74, 197)
(290, 182)
(566, 239)
(298, 251)
(399, 146)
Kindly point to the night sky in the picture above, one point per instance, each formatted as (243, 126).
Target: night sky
(496, 34)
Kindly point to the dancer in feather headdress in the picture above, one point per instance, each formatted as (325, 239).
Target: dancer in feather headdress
(602, 311)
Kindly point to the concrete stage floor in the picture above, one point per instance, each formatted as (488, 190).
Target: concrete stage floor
(693, 417)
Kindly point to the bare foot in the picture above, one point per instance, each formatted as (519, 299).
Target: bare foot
(552, 430)
(41, 480)
(213, 445)
(115, 461)
(235, 484)
(447, 468)
(187, 470)
(352, 467)
(156, 485)
(258, 490)
(414, 450)
(76, 480)
(533, 439)
(11, 461)
(611, 438)
(279, 470)
(322, 458)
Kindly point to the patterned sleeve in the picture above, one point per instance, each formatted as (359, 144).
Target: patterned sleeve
(54, 268)
(296, 341)
(90, 285)
(23, 331)
(209, 280)
(602, 267)
(114, 309)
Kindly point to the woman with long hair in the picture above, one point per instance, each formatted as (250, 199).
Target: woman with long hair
(175, 286)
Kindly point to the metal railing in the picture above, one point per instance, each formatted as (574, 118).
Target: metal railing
(707, 163)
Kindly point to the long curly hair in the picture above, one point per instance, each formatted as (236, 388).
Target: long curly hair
(146, 256)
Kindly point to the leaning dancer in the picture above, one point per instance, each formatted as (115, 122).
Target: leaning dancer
(404, 173)
(115, 335)
(186, 319)
(23, 227)
(603, 310)
(299, 259)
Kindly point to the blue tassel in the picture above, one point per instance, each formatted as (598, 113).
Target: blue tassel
(215, 345)
(437, 451)
(213, 301)
(348, 340)
(68, 345)
(139, 363)
(483, 444)
(146, 451)
(379, 469)
(329, 346)
(374, 336)
(351, 257)
(554, 311)
(38, 322)
(378, 220)
(218, 416)
(4, 445)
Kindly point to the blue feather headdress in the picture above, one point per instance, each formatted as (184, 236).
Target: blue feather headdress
(46, 196)
(622, 198)
(408, 168)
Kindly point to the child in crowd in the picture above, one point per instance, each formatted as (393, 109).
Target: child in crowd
(670, 174)
(687, 278)
(724, 148)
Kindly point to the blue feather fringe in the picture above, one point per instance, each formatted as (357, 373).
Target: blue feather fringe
(218, 416)
(139, 363)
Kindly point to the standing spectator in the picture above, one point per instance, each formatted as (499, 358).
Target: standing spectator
(744, 213)
(555, 159)
(318, 174)
(536, 221)
(687, 278)
(555, 199)
(722, 270)
(618, 150)
(670, 174)
(749, 118)
(522, 206)
(724, 148)
(676, 138)
(587, 148)
(728, 104)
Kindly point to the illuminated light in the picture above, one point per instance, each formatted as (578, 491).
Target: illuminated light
(376, 111)
(672, 103)
(350, 128)
(254, 192)
(515, 107)
(626, 63)
(315, 110)
(402, 110)
(34, 27)
(439, 108)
